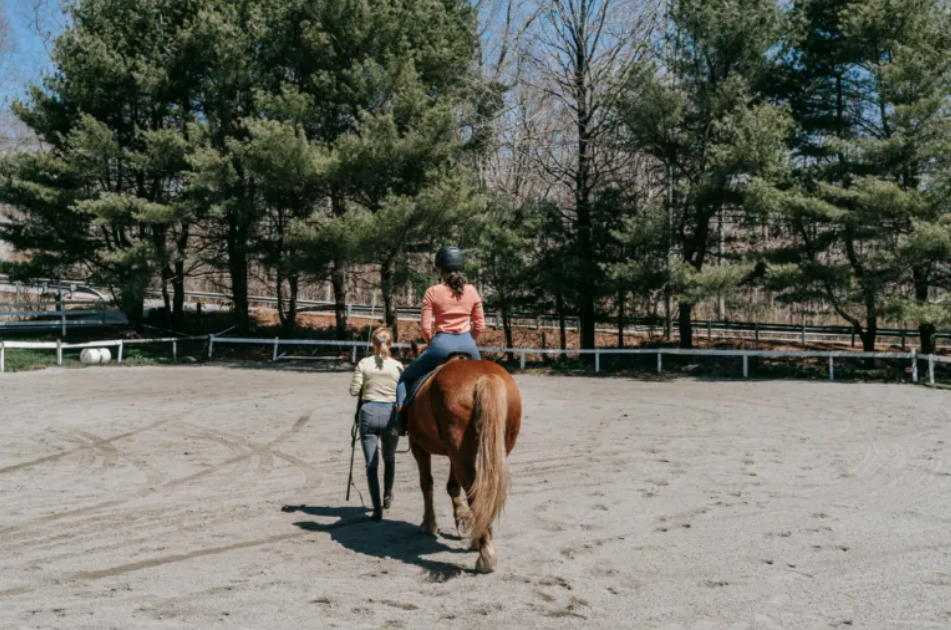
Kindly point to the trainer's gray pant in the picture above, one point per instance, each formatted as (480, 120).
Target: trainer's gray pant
(378, 423)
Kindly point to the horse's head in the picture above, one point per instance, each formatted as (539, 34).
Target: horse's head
(417, 348)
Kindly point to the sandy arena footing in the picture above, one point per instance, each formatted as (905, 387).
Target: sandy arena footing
(213, 497)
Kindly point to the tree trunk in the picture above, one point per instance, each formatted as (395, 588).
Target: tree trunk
(562, 328)
(685, 325)
(280, 295)
(582, 189)
(870, 334)
(178, 296)
(339, 275)
(925, 330)
(178, 280)
(507, 326)
(132, 304)
(338, 278)
(166, 298)
(290, 320)
(389, 306)
(238, 270)
(620, 319)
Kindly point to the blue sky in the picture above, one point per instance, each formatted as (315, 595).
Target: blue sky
(30, 58)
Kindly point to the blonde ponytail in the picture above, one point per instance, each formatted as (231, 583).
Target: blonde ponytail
(382, 341)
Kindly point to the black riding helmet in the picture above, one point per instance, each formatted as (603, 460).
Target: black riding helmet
(450, 259)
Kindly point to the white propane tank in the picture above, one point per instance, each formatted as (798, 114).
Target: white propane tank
(90, 356)
(105, 356)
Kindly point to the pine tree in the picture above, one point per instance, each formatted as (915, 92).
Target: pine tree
(115, 122)
(703, 118)
(868, 84)
(361, 76)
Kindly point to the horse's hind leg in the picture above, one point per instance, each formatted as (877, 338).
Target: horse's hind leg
(424, 463)
(487, 558)
(460, 510)
(487, 561)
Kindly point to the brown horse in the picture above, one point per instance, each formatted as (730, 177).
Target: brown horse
(471, 412)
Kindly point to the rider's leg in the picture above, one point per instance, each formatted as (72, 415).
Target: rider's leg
(426, 362)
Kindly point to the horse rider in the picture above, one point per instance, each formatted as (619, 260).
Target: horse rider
(375, 380)
(454, 303)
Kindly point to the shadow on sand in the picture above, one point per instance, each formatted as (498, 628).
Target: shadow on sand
(397, 540)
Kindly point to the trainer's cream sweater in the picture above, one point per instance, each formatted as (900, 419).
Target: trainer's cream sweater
(376, 379)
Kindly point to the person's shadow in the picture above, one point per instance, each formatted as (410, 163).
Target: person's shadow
(397, 540)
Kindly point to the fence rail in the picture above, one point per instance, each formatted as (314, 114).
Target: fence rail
(60, 347)
(55, 315)
(522, 353)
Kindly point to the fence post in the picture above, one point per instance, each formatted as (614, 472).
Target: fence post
(120, 353)
(521, 361)
(597, 362)
(538, 323)
(211, 344)
(757, 332)
(930, 365)
(803, 334)
(349, 312)
(914, 365)
(660, 363)
(746, 366)
(353, 355)
(853, 338)
(3, 358)
(59, 352)
(174, 352)
(902, 339)
(709, 330)
(831, 369)
(274, 358)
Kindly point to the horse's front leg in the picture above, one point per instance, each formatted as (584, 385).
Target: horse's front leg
(424, 463)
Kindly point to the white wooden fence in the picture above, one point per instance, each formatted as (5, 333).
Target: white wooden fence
(912, 357)
(60, 347)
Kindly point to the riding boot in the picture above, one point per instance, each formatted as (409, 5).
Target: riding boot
(374, 482)
(401, 420)
(389, 476)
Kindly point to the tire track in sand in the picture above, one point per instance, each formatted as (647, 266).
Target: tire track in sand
(85, 446)
(28, 527)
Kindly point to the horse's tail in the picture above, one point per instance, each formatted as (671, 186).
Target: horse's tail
(491, 483)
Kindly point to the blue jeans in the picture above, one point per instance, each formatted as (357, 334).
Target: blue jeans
(442, 346)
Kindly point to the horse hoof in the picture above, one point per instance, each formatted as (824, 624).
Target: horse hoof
(462, 527)
(428, 530)
(485, 565)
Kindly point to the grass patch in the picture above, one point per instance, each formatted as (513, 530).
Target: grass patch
(21, 360)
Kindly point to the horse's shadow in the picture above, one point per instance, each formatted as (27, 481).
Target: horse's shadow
(397, 540)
